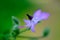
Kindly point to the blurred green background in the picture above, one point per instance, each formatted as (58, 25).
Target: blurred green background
(19, 8)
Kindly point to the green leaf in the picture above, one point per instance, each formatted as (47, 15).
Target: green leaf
(46, 32)
(15, 20)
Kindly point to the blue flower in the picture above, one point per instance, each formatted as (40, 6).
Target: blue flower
(38, 16)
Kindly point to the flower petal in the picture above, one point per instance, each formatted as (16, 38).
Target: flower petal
(32, 28)
(27, 22)
(44, 16)
(37, 14)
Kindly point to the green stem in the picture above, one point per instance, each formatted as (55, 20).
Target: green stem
(25, 30)
(30, 37)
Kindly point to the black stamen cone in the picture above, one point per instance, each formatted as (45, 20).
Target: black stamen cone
(30, 17)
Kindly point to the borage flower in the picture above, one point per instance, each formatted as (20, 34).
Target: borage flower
(38, 16)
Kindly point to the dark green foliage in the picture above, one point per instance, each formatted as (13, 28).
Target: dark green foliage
(46, 32)
(15, 33)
